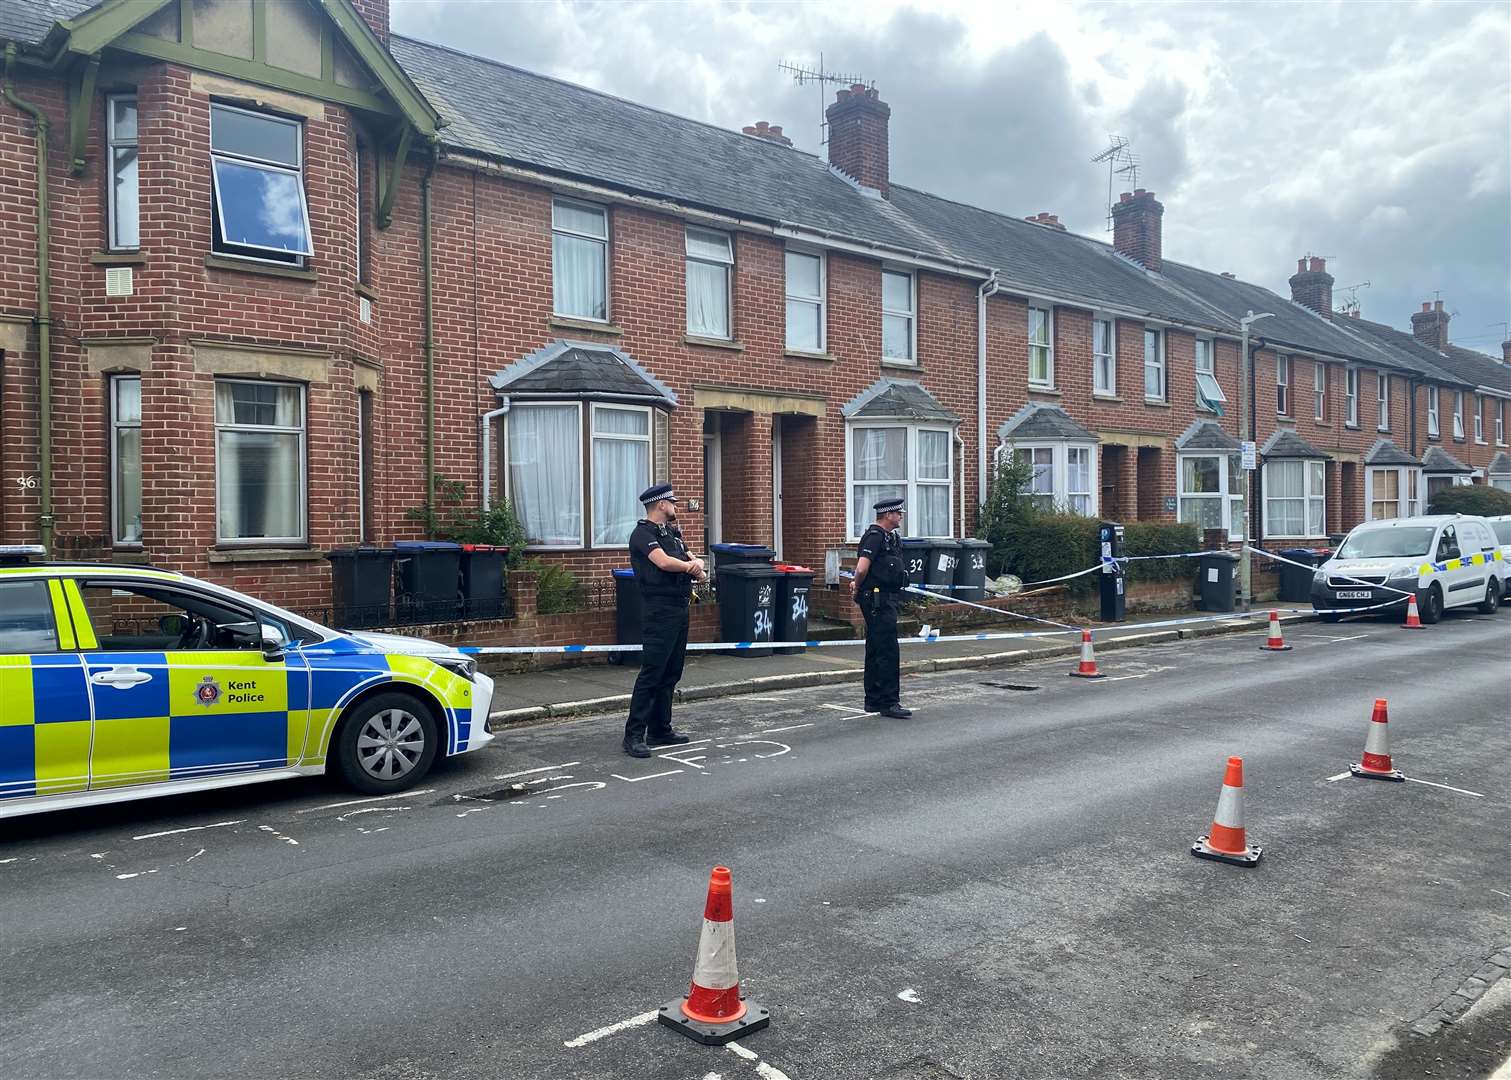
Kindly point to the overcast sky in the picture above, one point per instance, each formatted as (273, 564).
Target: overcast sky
(1377, 134)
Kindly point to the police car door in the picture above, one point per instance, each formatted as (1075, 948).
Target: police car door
(1463, 582)
(44, 706)
(181, 687)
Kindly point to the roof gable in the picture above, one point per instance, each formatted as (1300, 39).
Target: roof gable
(1285, 443)
(897, 399)
(1205, 435)
(1438, 460)
(1385, 452)
(580, 369)
(1039, 421)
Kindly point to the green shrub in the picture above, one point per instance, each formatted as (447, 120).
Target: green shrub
(1006, 508)
(557, 589)
(1160, 538)
(1043, 546)
(451, 519)
(1477, 499)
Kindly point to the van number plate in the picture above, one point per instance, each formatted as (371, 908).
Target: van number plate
(1355, 594)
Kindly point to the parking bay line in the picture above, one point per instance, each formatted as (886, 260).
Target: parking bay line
(611, 1029)
(1445, 787)
(543, 768)
(375, 798)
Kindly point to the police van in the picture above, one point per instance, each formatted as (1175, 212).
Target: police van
(121, 682)
(1447, 561)
(1500, 524)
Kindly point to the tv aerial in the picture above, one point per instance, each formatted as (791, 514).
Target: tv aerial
(1121, 161)
(821, 77)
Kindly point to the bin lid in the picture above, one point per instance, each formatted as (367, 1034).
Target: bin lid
(426, 545)
(915, 541)
(744, 549)
(1294, 552)
(623, 571)
(1229, 556)
(974, 542)
(750, 570)
(790, 568)
(486, 548)
(360, 553)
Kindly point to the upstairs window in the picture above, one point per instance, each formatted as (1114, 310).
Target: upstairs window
(579, 261)
(1209, 395)
(1282, 385)
(256, 166)
(710, 259)
(1458, 414)
(1351, 396)
(1383, 394)
(1104, 361)
(1041, 349)
(1319, 390)
(1500, 423)
(120, 133)
(805, 302)
(1479, 420)
(897, 322)
(1432, 412)
(1154, 365)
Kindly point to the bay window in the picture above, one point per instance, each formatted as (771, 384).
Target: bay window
(1041, 478)
(710, 260)
(259, 461)
(1210, 492)
(1432, 412)
(1319, 390)
(579, 260)
(805, 302)
(544, 444)
(257, 175)
(1063, 476)
(126, 459)
(621, 470)
(1209, 395)
(1351, 396)
(1282, 385)
(1154, 365)
(1383, 394)
(1393, 491)
(124, 208)
(1041, 349)
(1295, 496)
(897, 321)
(913, 461)
(1104, 361)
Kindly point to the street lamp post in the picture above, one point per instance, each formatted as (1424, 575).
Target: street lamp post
(1246, 434)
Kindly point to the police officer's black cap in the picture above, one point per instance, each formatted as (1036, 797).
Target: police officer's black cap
(886, 506)
(655, 493)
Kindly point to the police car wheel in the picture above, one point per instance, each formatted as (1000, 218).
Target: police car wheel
(386, 743)
(1492, 599)
(1432, 605)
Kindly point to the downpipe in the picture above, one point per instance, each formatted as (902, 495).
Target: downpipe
(428, 279)
(988, 288)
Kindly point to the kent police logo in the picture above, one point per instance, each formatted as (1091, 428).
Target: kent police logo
(207, 693)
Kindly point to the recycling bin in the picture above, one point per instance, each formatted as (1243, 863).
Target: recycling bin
(1296, 581)
(939, 574)
(791, 604)
(1112, 581)
(747, 601)
(483, 580)
(629, 628)
(915, 557)
(741, 555)
(970, 574)
(429, 573)
(1216, 586)
(361, 587)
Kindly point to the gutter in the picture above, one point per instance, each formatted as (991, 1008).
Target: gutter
(44, 306)
(988, 289)
(427, 277)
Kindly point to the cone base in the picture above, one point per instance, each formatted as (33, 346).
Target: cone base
(1202, 850)
(1086, 675)
(1274, 648)
(1418, 626)
(756, 1017)
(1374, 774)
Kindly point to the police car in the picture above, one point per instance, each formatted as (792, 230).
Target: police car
(121, 682)
(1448, 561)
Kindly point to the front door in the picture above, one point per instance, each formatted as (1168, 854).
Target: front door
(181, 688)
(776, 486)
(713, 492)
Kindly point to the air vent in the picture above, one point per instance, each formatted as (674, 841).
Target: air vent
(119, 281)
(364, 309)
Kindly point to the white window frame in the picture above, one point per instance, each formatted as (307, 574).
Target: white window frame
(1231, 521)
(231, 249)
(1500, 422)
(114, 142)
(1319, 390)
(821, 301)
(603, 247)
(911, 315)
(1047, 346)
(1106, 362)
(911, 483)
(1309, 468)
(590, 477)
(1382, 394)
(1207, 347)
(1479, 418)
(1351, 397)
(1408, 491)
(1282, 385)
(1458, 415)
(118, 425)
(583, 492)
(1434, 429)
(728, 265)
(1059, 470)
(1156, 364)
(304, 465)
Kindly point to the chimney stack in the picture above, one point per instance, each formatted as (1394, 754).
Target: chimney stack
(770, 132)
(858, 136)
(1044, 217)
(1312, 285)
(1136, 227)
(1506, 351)
(1430, 325)
(375, 14)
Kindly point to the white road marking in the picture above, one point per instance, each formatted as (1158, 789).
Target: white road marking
(765, 1070)
(752, 697)
(736, 1048)
(191, 828)
(543, 768)
(1345, 774)
(4, 861)
(375, 798)
(846, 709)
(778, 730)
(124, 877)
(1497, 892)
(1445, 787)
(693, 760)
(785, 749)
(612, 1029)
(279, 835)
(652, 776)
(909, 995)
(196, 855)
(591, 784)
(712, 1076)
(372, 810)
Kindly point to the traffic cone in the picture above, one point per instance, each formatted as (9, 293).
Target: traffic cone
(1277, 640)
(1088, 666)
(1413, 620)
(1226, 842)
(714, 1012)
(1376, 764)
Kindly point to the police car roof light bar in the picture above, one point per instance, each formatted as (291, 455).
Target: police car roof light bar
(16, 554)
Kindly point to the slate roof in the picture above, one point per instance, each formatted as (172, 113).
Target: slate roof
(1285, 443)
(1438, 460)
(1420, 358)
(1476, 367)
(897, 399)
(1206, 435)
(1038, 421)
(1385, 452)
(580, 368)
(28, 21)
(1500, 463)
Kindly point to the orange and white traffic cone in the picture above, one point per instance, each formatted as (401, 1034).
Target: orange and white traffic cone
(1277, 640)
(1376, 764)
(714, 1012)
(1227, 842)
(1413, 620)
(1087, 669)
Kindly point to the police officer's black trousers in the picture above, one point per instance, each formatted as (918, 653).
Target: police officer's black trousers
(665, 637)
(882, 655)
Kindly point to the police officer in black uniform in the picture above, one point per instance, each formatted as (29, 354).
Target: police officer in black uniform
(880, 577)
(665, 573)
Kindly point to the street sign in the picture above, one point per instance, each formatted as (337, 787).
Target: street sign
(1250, 456)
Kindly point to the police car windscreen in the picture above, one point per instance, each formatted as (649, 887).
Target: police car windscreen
(1387, 543)
(1502, 531)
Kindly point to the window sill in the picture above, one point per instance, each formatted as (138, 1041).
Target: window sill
(1322, 423)
(1156, 403)
(799, 354)
(904, 365)
(366, 290)
(246, 266)
(1111, 399)
(118, 258)
(712, 342)
(1045, 391)
(254, 555)
(1352, 427)
(590, 326)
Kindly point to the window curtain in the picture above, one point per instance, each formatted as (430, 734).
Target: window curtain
(1201, 492)
(545, 473)
(1284, 498)
(260, 491)
(621, 471)
(932, 515)
(879, 459)
(707, 299)
(1316, 498)
(1078, 480)
(578, 276)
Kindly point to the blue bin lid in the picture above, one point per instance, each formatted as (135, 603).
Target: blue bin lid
(623, 572)
(744, 549)
(915, 541)
(425, 545)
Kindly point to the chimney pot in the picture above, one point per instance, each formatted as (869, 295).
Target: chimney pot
(762, 127)
(748, 129)
(1317, 265)
(1430, 325)
(1353, 313)
(1137, 228)
(775, 129)
(1426, 306)
(1437, 305)
(1301, 266)
(770, 132)
(858, 139)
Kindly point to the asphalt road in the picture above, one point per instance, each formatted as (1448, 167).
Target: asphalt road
(999, 887)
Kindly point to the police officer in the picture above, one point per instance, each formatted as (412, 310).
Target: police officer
(880, 577)
(665, 573)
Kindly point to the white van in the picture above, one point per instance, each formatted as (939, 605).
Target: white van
(1448, 560)
(1501, 526)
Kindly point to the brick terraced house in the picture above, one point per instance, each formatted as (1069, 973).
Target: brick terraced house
(293, 266)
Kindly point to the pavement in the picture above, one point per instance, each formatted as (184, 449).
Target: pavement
(1000, 887)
